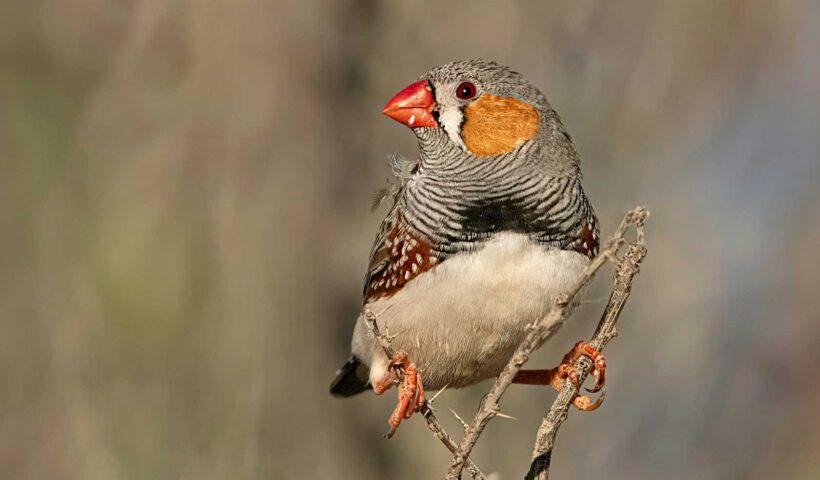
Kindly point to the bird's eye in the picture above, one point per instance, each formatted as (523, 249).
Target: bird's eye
(465, 91)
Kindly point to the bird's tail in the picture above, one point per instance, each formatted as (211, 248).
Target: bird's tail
(351, 379)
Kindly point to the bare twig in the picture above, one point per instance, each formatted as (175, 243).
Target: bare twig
(384, 342)
(448, 442)
(537, 334)
(429, 416)
(545, 439)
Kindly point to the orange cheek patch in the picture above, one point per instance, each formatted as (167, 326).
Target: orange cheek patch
(497, 125)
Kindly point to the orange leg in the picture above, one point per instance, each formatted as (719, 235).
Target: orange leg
(556, 377)
(411, 391)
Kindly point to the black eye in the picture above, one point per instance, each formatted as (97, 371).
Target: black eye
(465, 91)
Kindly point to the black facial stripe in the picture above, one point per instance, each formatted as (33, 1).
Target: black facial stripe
(435, 111)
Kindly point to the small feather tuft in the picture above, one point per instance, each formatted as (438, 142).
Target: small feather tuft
(403, 169)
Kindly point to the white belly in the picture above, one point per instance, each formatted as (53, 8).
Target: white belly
(461, 321)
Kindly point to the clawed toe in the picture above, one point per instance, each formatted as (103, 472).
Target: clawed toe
(410, 391)
(583, 349)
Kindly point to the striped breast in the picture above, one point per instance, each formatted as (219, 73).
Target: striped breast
(445, 211)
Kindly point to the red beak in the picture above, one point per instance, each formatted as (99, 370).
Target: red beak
(413, 106)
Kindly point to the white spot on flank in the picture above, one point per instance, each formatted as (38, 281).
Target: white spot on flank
(419, 259)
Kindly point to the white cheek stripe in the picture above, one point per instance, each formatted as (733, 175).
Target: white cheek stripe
(450, 118)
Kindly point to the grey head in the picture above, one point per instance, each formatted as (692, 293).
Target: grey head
(481, 109)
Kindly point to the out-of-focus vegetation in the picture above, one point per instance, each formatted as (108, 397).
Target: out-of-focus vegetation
(184, 194)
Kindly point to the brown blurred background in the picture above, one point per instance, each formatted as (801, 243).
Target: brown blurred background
(184, 226)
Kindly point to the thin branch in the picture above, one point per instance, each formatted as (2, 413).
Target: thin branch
(384, 342)
(545, 438)
(429, 416)
(537, 334)
(448, 442)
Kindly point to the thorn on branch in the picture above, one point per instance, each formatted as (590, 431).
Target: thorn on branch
(430, 402)
(463, 423)
(505, 416)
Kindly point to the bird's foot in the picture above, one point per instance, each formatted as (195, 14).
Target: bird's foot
(406, 375)
(583, 349)
(557, 377)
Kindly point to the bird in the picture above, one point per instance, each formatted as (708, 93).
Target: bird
(490, 225)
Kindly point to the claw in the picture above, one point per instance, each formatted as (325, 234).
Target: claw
(586, 404)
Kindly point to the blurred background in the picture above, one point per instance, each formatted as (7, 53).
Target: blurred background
(185, 191)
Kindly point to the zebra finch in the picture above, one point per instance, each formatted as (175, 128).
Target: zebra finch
(489, 227)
